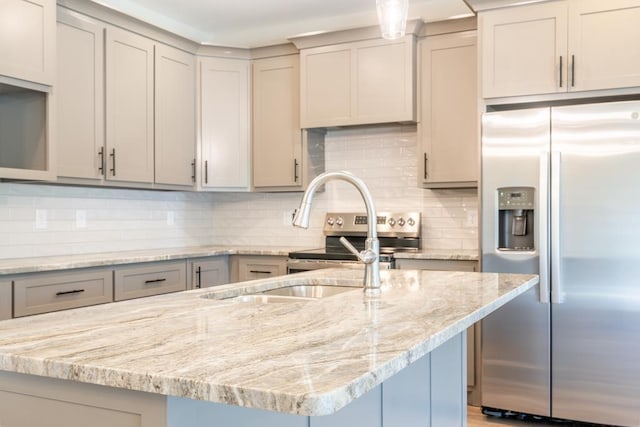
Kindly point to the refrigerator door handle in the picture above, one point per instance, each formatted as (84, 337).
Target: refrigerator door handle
(557, 296)
(543, 233)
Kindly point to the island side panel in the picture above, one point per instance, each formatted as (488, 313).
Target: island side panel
(406, 396)
(449, 383)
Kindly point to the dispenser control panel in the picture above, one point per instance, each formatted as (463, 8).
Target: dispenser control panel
(515, 198)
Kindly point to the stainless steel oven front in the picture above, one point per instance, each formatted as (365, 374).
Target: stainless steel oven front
(300, 265)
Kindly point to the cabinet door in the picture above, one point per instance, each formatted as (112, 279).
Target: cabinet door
(325, 87)
(42, 293)
(276, 125)
(524, 50)
(603, 44)
(79, 97)
(210, 272)
(150, 279)
(175, 116)
(6, 300)
(384, 81)
(129, 106)
(448, 128)
(27, 40)
(224, 124)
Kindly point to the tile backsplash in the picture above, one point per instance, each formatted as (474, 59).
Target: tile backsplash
(41, 220)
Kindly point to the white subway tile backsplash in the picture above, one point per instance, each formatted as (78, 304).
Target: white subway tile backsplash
(385, 157)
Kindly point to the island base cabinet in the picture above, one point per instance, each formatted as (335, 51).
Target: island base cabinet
(27, 401)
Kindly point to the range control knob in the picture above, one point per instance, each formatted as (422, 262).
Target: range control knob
(339, 222)
(331, 220)
(391, 222)
(401, 222)
(411, 222)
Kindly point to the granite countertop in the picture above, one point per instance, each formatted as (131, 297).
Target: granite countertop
(65, 262)
(441, 254)
(308, 358)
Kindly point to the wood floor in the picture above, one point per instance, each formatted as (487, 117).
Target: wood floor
(476, 418)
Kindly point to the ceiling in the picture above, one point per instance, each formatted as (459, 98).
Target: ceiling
(255, 23)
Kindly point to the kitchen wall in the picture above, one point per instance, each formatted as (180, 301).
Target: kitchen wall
(385, 157)
(41, 220)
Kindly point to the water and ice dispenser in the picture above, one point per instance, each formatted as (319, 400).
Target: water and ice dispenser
(515, 218)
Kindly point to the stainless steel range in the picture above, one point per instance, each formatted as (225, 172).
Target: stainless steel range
(397, 232)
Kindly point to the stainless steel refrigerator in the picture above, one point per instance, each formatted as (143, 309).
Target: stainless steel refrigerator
(561, 198)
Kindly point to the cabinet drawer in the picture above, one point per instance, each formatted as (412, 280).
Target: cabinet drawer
(150, 279)
(52, 291)
(5, 300)
(260, 267)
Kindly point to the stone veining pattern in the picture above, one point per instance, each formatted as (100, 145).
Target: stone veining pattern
(308, 358)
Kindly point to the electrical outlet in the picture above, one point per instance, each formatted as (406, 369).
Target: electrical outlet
(171, 218)
(81, 218)
(41, 219)
(287, 218)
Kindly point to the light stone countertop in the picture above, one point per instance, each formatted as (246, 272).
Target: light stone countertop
(441, 254)
(65, 262)
(308, 358)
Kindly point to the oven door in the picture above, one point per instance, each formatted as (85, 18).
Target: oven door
(300, 265)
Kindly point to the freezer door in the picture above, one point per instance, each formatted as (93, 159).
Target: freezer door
(596, 283)
(515, 338)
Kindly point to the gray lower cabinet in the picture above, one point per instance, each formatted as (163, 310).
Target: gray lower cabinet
(252, 267)
(143, 280)
(6, 300)
(209, 271)
(69, 404)
(45, 292)
(473, 332)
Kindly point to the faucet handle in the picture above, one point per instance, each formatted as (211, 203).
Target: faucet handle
(366, 257)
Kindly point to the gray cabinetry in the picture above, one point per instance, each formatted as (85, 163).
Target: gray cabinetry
(142, 280)
(71, 404)
(210, 271)
(6, 299)
(251, 267)
(45, 292)
(448, 128)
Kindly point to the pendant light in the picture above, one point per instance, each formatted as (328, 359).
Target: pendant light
(392, 15)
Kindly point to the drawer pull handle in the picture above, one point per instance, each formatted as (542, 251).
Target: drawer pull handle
(75, 291)
(146, 282)
(259, 271)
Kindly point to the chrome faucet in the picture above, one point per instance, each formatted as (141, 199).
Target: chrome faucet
(371, 254)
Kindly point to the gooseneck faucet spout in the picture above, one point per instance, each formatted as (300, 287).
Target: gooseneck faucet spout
(371, 255)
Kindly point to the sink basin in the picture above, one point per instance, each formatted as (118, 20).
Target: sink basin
(292, 293)
(309, 291)
(267, 299)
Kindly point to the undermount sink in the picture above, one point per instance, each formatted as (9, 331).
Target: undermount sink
(292, 293)
(308, 291)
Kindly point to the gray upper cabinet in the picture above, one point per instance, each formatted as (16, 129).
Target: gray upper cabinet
(364, 82)
(559, 47)
(224, 114)
(129, 106)
(80, 97)
(27, 40)
(448, 128)
(277, 137)
(175, 116)
(146, 134)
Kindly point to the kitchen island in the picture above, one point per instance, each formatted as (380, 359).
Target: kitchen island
(193, 357)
